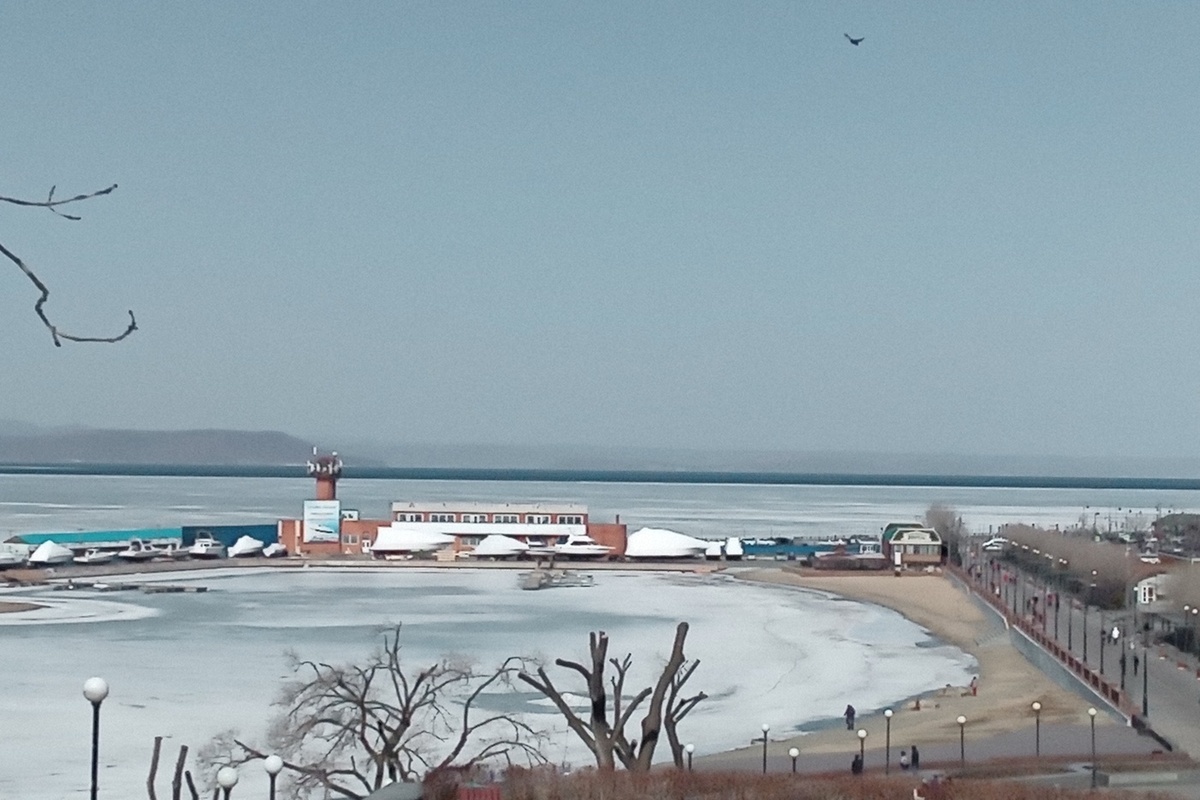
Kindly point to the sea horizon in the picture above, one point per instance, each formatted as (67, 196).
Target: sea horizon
(621, 476)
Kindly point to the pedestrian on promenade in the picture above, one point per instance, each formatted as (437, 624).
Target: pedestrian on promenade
(856, 765)
(1136, 660)
(974, 685)
(904, 759)
(916, 758)
(849, 713)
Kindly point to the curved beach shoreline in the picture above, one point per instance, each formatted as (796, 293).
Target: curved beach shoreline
(1008, 682)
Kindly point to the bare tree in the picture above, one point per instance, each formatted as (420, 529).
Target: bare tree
(57, 334)
(345, 731)
(177, 780)
(606, 736)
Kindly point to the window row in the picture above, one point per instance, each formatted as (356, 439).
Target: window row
(512, 519)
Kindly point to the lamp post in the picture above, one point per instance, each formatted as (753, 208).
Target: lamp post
(689, 749)
(1195, 613)
(1070, 624)
(227, 778)
(794, 753)
(962, 739)
(1037, 729)
(1103, 637)
(765, 729)
(862, 746)
(95, 690)
(887, 742)
(274, 765)
(1145, 679)
(1092, 714)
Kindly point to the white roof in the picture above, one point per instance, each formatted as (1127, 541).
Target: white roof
(662, 543)
(488, 508)
(499, 545)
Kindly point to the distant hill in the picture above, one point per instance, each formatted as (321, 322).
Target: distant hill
(199, 447)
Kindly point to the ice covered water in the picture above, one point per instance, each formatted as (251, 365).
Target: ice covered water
(190, 666)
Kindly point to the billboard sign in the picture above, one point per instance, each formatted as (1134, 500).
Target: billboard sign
(322, 520)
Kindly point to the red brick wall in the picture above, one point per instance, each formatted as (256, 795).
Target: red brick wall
(613, 534)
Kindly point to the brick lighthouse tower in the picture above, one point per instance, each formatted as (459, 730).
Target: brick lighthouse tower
(327, 470)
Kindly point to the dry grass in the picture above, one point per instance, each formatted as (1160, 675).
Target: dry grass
(682, 785)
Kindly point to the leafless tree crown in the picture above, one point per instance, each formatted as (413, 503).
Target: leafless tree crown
(346, 730)
(56, 333)
(605, 736)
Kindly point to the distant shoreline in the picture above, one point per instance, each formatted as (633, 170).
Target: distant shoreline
(695, 477)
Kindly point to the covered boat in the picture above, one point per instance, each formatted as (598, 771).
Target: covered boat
(48, 553)
(662, 543)
(400, 540)
(733, 548)
(275, 550)
(246, 547)
(499, 546)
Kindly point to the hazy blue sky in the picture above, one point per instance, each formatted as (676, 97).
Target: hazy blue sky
(671, 224)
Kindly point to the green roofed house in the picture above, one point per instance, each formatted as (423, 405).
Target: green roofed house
(911, 544)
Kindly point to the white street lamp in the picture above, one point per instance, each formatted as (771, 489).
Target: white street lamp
(95, 690)
(227, 778)
(273, 765)
(794, 753)
(887, 742)
(962, 739)
(689, 749)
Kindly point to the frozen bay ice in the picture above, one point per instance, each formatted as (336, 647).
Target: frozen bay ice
(188, 666)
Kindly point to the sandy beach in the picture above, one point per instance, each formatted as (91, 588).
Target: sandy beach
(1008, 683)
(9, 607)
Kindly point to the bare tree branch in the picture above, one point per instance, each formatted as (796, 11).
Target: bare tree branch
(607, 740)
(57, 334)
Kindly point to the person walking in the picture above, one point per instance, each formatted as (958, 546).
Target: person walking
(849, 713)
(916, 758)
(856, 765)
(904, 759)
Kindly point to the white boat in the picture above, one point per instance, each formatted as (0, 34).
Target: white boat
(662, 543)
(714, 551)
(173, 551)
(396, 539)
(995, 544)
(11, 558)
(246, 547)
(499, 546)
(139, 550)
(733, 549)
(206, 546)
(274, 550)
(48, 553)
(95, 556)
(580, 545)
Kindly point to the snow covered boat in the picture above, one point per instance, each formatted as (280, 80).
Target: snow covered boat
(662, 543)
(397, 539)
(206, 546)
(94, 556)
(580, 545)
(138, 550)
(733, 549)
(246, 547)
(499, 546)
(274, 550)
(11, 558)
(48, 554)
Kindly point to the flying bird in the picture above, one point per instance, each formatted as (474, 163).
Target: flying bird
(855, 42)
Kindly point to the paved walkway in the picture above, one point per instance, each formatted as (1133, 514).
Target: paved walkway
(1083, 632)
